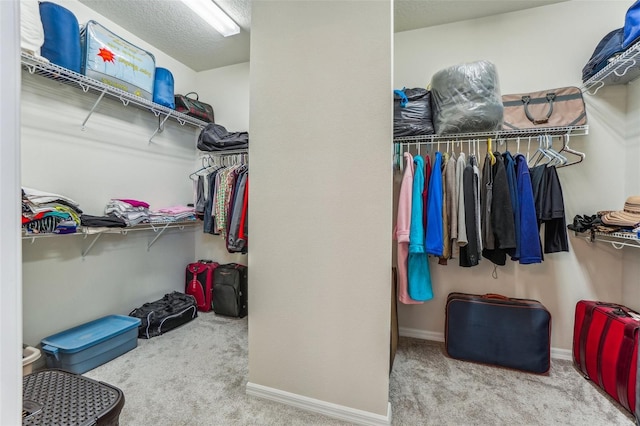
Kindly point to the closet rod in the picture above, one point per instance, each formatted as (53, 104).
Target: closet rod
(223, 153)
(504, 135)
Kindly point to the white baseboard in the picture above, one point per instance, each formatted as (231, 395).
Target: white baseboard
(565, 354)
(422, 334)
(556, 353)
(318, 406)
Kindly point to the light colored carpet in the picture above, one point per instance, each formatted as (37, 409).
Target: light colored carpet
(196, 376)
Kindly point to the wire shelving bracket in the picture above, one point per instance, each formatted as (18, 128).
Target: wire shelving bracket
(60, 74)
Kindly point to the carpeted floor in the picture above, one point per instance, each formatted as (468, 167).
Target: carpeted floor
(184, 378)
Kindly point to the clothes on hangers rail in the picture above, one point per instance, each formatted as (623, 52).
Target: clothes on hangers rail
(549, 204)
(529, 250)
(500, 220)
(419, 275)
(510, 168)
(402, 230)
(470, 253)
(488, 215)
(433, 238)
(225, 204)
(461, 164)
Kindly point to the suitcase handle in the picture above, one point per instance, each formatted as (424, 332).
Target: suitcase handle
(495, 296)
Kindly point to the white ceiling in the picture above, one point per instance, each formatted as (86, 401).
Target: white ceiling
(174, 29)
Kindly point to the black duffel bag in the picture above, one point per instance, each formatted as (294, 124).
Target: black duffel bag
(215, 137)
(163, 315)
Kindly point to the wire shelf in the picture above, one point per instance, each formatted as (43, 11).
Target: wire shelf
(63, 75)
(496, 135)
(618, 240)
(621, 70)
(88, 230)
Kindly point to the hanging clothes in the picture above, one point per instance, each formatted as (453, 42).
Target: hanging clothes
(199, 195)
(476, 196)
(549, 202)
(419, 275)
(433, 235)
(403, 228)
(234, 243)
(510, 168)
(209, 213)
(501, 218)
(451, 196)
(446, 227)
(425, 193)
(462, 223)
(469, 253)
(243, 233)
(529, 250)
(485, 204)
(226, 205)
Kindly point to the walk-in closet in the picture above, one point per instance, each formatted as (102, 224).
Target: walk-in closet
(316, 96)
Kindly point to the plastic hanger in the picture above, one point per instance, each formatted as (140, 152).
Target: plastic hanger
(559, 159)
(490, 152)
(540, 154)
(565, 148)
(207, 163)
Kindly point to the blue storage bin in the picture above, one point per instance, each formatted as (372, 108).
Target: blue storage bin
(89, 345)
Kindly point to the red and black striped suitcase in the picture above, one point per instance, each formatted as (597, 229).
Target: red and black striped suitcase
(605, 348)
(199, 283)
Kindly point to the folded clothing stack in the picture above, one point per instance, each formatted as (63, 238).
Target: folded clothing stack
(172, 214)
(133, 212)
(46, 212)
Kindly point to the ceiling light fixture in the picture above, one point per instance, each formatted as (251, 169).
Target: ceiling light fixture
(211, 12)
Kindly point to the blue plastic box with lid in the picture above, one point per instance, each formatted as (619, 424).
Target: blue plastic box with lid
(89, 345)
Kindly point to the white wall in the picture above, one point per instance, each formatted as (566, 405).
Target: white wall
(10, 270)
(227, 90)
(320, 256)
(536, 49)
(111, 158)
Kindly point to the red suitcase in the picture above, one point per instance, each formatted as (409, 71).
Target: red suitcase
(605, 348)
(199, 282)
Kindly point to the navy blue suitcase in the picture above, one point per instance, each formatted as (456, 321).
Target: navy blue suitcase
(498, 330)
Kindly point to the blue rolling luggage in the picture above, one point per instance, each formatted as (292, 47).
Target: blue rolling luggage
(61, 36)
(498, 330)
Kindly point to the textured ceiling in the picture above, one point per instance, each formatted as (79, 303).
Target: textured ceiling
(414, 14)
(174, 29)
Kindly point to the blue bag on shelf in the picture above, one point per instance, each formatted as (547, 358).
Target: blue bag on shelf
(607, 49)
(631, 25)
(163, 93)
(61, 36)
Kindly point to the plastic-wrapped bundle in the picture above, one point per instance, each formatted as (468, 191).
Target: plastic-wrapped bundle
(466, 98)
(412, 112)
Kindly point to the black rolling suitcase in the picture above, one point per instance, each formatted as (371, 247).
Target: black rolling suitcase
(230, 290)
(163, 315)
